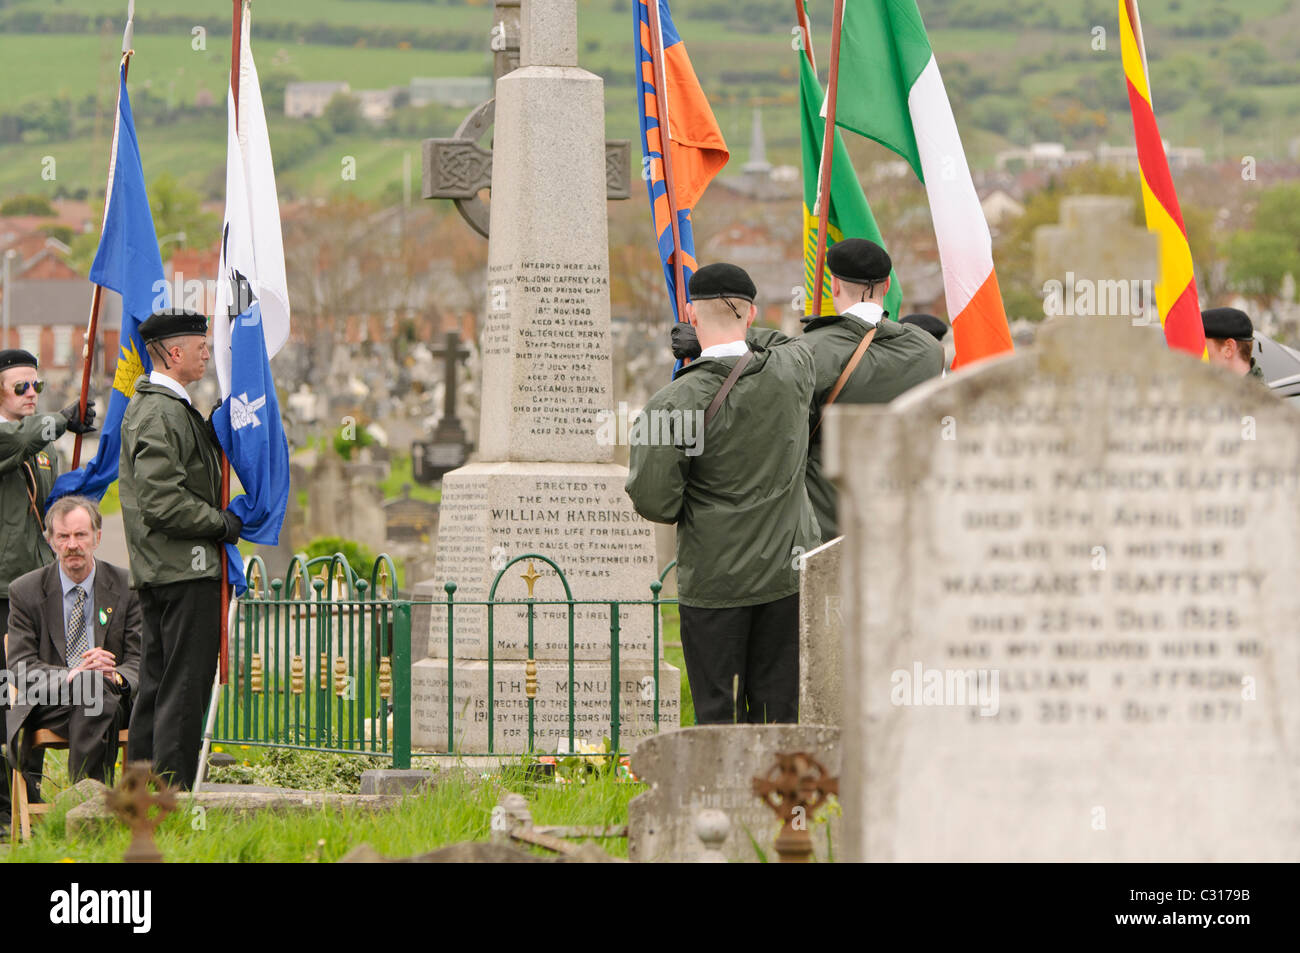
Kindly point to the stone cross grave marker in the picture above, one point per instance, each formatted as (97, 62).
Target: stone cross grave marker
(542, 483)
(459, 168)
(449, 447)
(1070, 601)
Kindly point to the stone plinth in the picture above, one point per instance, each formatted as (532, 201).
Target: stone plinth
(592, 690)
(1069, 588)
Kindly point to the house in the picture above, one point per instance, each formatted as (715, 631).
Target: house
(308, 100)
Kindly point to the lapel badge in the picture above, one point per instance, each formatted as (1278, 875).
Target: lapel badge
(103, 616)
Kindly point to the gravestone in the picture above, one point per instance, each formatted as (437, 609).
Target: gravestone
(410, 521)
(542, 483)
(1070, 606)
(820, 635)
(712, 767)
(449, 447)
(1101, 260)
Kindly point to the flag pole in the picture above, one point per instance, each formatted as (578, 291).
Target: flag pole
(223, 666)
(828, 151)
(665, 147)
(801, 14)
(92, 323)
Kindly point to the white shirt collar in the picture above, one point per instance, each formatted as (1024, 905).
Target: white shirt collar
(730, 349)
(162, 380)
(868, 312)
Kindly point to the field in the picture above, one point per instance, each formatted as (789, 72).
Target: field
(1223, 76)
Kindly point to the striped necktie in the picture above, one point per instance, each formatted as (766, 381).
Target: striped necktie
(77, 644)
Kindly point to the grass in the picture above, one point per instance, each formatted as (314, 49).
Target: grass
(458, 809)
(399, 475)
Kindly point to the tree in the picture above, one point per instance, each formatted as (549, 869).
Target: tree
(343, 113)
(177, 209)
(27, 205)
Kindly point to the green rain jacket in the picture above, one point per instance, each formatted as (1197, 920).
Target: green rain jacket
(737, 495)
(170, 485)
(25, 456)
(899, 357)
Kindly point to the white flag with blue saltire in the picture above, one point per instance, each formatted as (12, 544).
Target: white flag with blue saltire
(251, 322)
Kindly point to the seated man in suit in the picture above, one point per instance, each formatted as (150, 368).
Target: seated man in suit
(74, 648)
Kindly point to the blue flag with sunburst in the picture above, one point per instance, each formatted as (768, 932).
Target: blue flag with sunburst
(129, 263)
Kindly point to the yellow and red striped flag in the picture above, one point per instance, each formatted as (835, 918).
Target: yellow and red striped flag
(1180, 311)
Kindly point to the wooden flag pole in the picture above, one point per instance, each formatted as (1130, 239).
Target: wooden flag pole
(223, 668)
(665, 148)
(801, 14)
(92, 323)
(828, 143)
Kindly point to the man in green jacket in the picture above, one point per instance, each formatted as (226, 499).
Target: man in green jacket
(733, 482)
(28, 466)
(170, 478)
(897, 358)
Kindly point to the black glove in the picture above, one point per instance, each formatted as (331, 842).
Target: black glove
(686, 345)
(212, 427)
(86, 424)
(234, 526)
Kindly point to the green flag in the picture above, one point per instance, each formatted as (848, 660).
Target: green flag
(850, 215)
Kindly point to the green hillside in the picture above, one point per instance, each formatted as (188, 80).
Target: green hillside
(1224, 77)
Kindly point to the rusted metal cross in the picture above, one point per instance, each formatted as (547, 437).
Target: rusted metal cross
(131, 802)
(795, 787)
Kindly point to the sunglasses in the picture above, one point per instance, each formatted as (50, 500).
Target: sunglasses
(21, 387)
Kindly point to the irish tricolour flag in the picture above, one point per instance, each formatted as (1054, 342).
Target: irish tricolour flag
(890, 91)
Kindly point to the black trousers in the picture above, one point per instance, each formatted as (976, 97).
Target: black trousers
(751, 651)
(4, 711)
(91, 731)
(178, 660)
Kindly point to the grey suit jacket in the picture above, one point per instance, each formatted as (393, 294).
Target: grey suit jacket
(38, 640)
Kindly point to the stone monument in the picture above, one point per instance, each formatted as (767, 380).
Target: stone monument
(542, 483)
(1070, 604)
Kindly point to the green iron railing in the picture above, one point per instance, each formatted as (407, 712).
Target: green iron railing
(326, 665)
(323, 666)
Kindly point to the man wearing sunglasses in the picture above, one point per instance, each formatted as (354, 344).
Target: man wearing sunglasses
(28, 466)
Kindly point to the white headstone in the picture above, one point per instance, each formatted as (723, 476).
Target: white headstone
(1070, 605)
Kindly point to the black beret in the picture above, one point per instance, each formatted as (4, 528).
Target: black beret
(172, 323)
(927, 322)
(1224, 323)
(859, 261)
(721, 280)
(16, 357)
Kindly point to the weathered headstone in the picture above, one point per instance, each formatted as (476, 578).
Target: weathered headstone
(1070, 608)
(410, 521)
(543, 483)
(820, 635)
(712, 767)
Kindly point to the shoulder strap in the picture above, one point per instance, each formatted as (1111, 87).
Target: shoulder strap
(725, 389)
(845, 374)
(31, 494)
